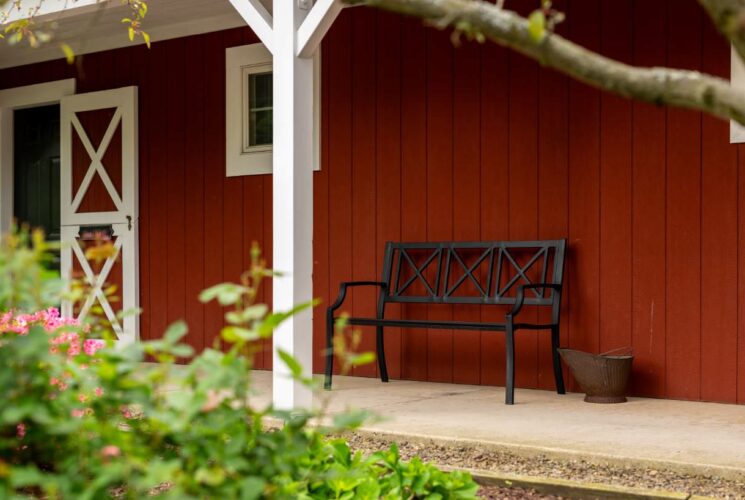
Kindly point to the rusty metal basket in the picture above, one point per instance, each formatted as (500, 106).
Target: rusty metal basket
(603, 377)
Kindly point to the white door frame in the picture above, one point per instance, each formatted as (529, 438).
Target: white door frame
(28, 96)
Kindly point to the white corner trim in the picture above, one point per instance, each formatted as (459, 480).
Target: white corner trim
(28, 96)
(315, 25)
(258, 19)
(737, 80)
(238, 162)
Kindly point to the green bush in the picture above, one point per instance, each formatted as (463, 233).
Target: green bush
(81, 422)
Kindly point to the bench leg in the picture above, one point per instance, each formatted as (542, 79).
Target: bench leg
(380, 345)
(509, 390)
(558, 374)
(329, 349)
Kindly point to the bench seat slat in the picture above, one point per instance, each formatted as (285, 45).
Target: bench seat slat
(419, 323)
(441, 325)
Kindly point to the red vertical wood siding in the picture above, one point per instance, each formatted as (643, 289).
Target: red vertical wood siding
(423, 140)
(648, 329)
(683, 259)
(388, 158)
(615, 188)
(364, 172)
(583, 265)
(439, 185)
(415, 342)
(466, 195)
(553, 177)
(494, 178)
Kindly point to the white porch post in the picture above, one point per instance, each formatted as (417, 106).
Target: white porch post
(292, 34)
(293, 203)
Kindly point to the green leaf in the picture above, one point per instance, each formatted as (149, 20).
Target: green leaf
(275, 319)
(69, 54)
(212, 476)
(351, 420)
(251, 313)
(537, 25)
(182, 351)
(235, 334)
(22, 477)
(288, 359)
(132, 311)
(175, 332)
(252, 488)
(226, 293)
(363, 358)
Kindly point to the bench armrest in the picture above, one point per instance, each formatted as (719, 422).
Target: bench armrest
(520, 296)
(343, 291)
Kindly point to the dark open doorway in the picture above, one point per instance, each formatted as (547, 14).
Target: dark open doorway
(36, 169)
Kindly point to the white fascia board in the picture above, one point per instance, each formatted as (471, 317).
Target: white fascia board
(258, 19)
(43, 9)
(315, 25)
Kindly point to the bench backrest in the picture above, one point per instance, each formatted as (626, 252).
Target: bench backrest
(479, 272)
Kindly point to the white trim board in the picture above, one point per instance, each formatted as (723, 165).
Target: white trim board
(28, 96)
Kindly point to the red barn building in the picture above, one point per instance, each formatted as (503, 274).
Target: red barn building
(414, 139)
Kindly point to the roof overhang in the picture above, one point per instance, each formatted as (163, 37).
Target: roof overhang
(96, 25)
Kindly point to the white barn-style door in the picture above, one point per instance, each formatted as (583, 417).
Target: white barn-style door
(99, 200)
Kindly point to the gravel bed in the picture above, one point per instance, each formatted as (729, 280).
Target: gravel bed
(497, 493)
(468, 457)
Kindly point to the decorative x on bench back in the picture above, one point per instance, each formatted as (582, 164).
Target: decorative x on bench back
(481, 272)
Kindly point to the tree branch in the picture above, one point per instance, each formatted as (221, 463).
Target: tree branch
(729, 18)
(661, 86)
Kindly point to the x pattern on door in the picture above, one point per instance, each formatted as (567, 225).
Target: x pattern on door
(96, 282)
(96, 166)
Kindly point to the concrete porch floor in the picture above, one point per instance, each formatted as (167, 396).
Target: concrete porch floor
(705, 438)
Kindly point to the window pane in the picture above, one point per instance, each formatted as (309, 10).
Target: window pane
(260, 127)
(260, 109)
(260, 88)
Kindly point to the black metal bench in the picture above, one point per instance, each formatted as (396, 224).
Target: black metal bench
(512, 273)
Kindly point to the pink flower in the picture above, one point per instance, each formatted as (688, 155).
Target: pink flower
(21, 430)
(81, 412)
(130, 413)
(98, 392)
(82, 398)
(54, 381)
(91, 346)
(110, 451)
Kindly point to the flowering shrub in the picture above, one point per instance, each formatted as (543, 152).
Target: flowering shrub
(61, 340)
(54, 324)
(81, 418)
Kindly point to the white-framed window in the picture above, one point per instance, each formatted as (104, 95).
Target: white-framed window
(737, 80)
(249, 110)
(257, 108)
